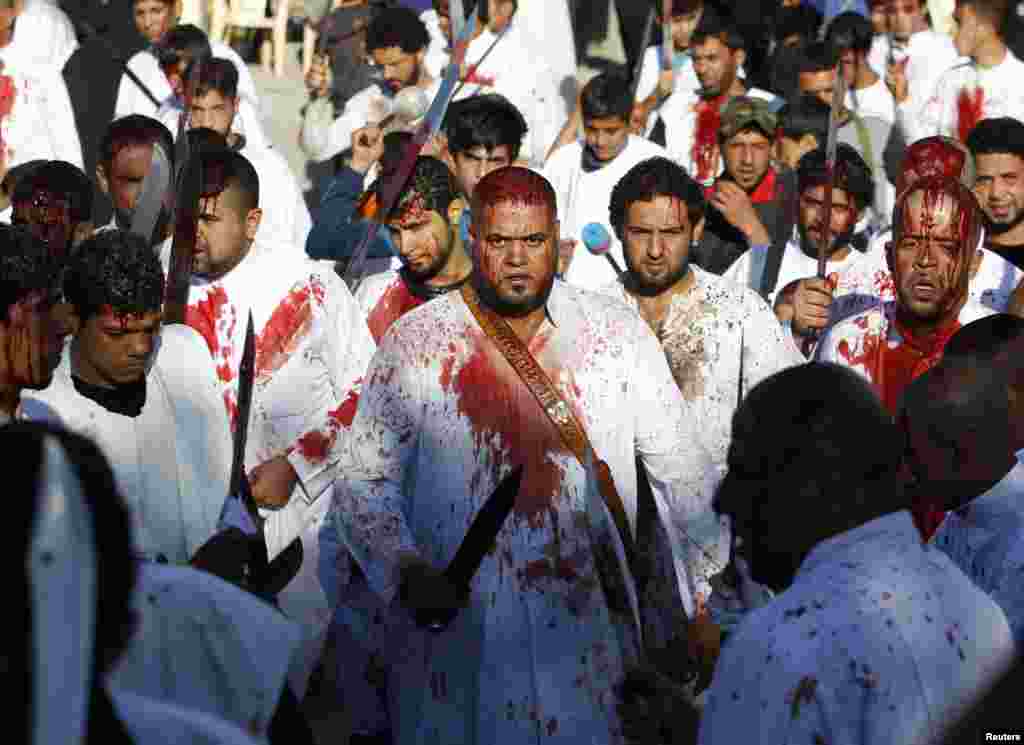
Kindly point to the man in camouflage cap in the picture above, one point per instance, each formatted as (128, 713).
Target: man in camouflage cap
(748, 201)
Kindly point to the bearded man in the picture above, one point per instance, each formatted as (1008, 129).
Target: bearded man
(449, 409)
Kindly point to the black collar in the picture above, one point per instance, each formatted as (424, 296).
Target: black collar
(126, 400)
(428, 292)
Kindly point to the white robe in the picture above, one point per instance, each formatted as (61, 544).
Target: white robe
(584, 198)
(131, 99)
(547, 34)
(173, 461)
(929, 53)
(985, 538)
(702, 337)
(685, 76)
(878, 641)
(860, 281)
(41, 124)
(206, 645)
(1003, 95)
(371, 105)
(442, 418)
(151, 721)
(876, 100)
(45, 34)
(312, 350)
(679, 112)
(437, 51)
(511, 70)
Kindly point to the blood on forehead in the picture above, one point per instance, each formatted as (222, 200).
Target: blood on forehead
(112, 318)
(933, 212)
(513, 185)
(412, 212)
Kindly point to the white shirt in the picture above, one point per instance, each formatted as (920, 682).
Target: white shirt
(436, 57)
(41, 124)
(204, 644)
(860, 280)
(985, 538)
(171, 462)
(930, 54)
(441, 420)
(875, 100)
(878, 641)
(131, 99)
(685, 77)
(707, 335)
(583, 198)
(547, 33)
(1002, 95)
(312, 350)
(511, 70)
(153, 722)
(44, 33)
(371, 105)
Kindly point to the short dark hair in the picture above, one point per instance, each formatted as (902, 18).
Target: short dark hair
(607, 95)
(226, 170)
(116, 269)
(715, 24)
(25, 267)
(818, 56)
(996, 12)
(63, 179)
(133, 130)
(681, 7)
(850, 30)
(214, 74)
(806, 115)
(653, 178)
(397, 27)
(183, 42)
(802, 20)
(432, 181)
(487, 121)
(16, 174)
(985, 339)
(852, 174)
(996, 136)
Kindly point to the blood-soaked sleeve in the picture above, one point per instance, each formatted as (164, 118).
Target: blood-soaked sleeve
(346, 348)
(369, 505)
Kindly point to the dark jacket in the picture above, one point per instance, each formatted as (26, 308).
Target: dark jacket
(723, 243)
(335, 234)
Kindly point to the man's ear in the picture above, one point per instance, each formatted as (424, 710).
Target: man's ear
(741, 57)
(252, 223)
(101, 179)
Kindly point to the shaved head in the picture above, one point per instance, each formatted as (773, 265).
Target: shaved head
(516, 186)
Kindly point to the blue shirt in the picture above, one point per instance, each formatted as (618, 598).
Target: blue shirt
(335, 235)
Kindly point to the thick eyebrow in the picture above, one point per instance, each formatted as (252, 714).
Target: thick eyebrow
(531, 236)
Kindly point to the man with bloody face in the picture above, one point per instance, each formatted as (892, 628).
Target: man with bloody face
(312, 347)
(424, 227)
(937, 225)
(147, 398)
(31, 338)
(448, 411)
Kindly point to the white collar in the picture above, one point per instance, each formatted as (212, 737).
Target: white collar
(862, 541)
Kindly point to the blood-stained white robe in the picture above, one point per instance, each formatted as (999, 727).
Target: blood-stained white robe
(880, 640)
(985, 538)
(41, 124)
(707, 335)
(312, 348)
(173, 461)
(442, 418)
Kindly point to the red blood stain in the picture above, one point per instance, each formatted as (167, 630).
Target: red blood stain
(970, 108)
(345, 413)
(474, 76)
(393, 304)
(507, 420)
(519, 186)
(563, 568)
(446, 372)
(931, 157)
(315, 445)
(207, 317)
(232, 409)
(705, 138)
(283, 332)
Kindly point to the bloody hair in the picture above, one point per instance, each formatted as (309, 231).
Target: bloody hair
(970, 219)
(653, 178)
(134, 130)
(431, 182)
(62, 179)
(26, 266)
(937, 156)
(516, 185)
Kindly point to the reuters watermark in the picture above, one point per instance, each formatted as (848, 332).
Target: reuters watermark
(1003, 737)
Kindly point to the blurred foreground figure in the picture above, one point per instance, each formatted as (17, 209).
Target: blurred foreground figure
(874, 637)
(71, 536)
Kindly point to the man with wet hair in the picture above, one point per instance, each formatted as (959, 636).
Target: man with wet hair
(55, 202)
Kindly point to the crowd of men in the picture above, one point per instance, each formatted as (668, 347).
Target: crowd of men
(680, 406)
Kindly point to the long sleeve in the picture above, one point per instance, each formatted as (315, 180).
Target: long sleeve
(369, 507)
(334, 235)
(346, 348)
(322, 141)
